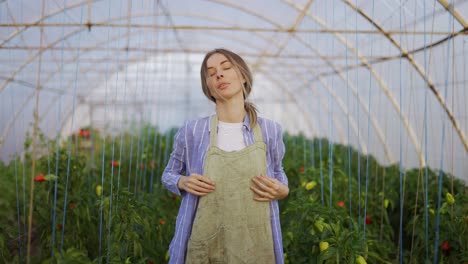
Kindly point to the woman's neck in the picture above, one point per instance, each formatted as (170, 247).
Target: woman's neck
(231, 111)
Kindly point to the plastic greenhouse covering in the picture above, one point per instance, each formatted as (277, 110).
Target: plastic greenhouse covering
(371, 96)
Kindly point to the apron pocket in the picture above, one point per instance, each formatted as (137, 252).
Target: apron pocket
(202, 237)
(210, 250)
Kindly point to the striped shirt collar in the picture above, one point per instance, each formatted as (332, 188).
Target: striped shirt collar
(246, 122)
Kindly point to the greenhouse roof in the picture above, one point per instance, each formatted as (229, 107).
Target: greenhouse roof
(386, 77)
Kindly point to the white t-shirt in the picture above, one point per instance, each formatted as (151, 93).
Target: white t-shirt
(230, 136)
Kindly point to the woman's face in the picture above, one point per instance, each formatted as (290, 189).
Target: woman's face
(224, 80)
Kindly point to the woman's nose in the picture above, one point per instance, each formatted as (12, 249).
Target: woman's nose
(219, 74)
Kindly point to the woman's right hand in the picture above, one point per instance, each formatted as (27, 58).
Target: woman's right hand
(196, 184)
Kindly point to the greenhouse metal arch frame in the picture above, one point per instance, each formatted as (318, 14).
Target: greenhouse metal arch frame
(302, 12)
(352, 72)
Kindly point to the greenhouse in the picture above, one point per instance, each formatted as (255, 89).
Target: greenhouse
(367, 97)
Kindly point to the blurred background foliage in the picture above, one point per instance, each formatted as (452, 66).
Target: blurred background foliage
(100, 199)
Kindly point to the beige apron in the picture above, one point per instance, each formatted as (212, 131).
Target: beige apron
(229, 226)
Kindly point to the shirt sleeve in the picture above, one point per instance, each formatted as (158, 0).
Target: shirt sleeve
(278, 150)
(176, 166)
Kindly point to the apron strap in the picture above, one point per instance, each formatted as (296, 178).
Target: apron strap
(213, 131)
(258, 133)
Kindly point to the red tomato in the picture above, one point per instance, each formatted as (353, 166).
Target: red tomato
(40, 178)
(368, 220)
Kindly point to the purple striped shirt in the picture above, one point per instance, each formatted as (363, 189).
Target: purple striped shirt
(191, 144)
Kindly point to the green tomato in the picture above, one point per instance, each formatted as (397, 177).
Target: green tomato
(361, 260)
(98, 190)
(324, 246)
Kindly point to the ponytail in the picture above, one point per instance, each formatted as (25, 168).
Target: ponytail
(251, 110)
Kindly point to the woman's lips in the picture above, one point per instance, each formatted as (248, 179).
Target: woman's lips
(222, 85)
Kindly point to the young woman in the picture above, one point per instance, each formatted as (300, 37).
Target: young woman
(228, 169)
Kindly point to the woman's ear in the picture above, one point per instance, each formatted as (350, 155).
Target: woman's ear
(244, 81)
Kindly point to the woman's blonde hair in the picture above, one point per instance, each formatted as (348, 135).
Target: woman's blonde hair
(242, 69)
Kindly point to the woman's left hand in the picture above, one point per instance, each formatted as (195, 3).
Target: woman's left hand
(268, 189)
